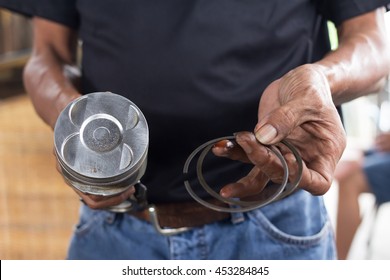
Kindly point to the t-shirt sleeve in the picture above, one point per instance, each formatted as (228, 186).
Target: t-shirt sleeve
(60, 11)
(339, 10)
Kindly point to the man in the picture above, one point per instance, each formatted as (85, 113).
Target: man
(197, 70)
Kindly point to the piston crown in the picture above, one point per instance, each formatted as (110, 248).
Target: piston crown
(101, 138)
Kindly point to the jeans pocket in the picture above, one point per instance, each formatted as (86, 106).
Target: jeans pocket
(301, 230)
(88, 220)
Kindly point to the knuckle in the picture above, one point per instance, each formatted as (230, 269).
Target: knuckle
(93, 205)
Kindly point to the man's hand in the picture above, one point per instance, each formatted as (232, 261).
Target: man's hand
(98, 201)
(102, 202)
(300, 107)
(297, 107)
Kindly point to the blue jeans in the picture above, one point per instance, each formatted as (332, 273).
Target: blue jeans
(376, 168)
(296, 227)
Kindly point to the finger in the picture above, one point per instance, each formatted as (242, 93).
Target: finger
(225, 144)
(249, 185)
(291, 161)
(231, 150)
(278, 124)
(101, 202)
(261, 156)
(317, 176)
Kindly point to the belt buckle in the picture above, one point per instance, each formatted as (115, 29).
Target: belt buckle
(140, 202)
(164, 231)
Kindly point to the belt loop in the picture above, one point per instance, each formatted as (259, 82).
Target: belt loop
(237, 217)
(110, 217)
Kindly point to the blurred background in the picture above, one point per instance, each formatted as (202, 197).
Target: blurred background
(38, 210)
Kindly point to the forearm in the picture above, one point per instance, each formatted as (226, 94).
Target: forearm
(49, 85)
(361, 63)
(49, 75)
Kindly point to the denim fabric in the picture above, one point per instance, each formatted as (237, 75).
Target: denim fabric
(377, 170)
(296, 227)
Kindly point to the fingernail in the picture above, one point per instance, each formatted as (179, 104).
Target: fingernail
(266, 134)
(229, 145)
(224, 194)
(226, 144)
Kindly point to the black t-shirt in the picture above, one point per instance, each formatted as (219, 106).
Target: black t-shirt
(195, 68)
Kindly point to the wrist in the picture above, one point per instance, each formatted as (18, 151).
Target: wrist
(63, 99)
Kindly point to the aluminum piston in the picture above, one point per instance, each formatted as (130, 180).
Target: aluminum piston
(101, 143)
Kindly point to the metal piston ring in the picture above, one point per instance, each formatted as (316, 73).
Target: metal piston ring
(236, 205)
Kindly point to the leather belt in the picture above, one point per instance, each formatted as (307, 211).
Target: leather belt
(183, 214)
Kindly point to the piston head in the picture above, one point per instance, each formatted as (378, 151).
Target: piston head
(101, 141)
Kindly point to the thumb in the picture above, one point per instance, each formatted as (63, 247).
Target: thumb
(279, 123)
